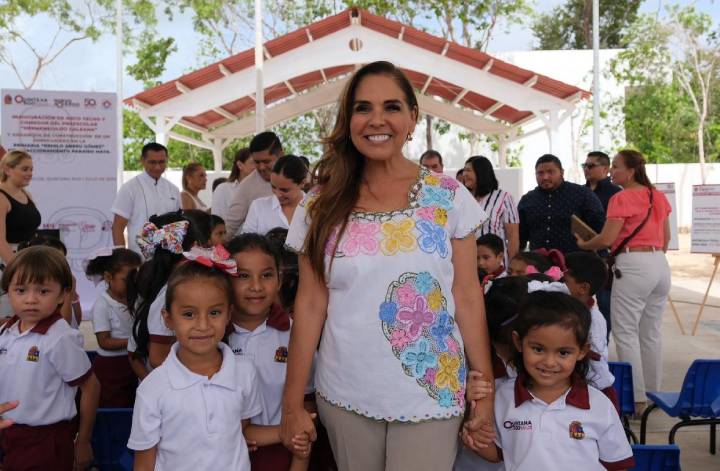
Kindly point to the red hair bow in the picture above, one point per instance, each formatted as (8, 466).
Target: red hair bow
(217, 257)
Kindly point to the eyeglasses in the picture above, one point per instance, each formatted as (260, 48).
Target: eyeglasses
(590, 166)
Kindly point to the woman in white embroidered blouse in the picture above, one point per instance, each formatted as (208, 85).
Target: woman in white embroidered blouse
(387, 274)
(287, 179)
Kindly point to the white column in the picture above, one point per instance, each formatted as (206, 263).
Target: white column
(217, 154)
(596, 74)
(119, 88)
(502, 152)
(551, 129)
(161, 130)
(259, 87)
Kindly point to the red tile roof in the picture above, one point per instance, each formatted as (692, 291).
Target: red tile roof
(295, 39)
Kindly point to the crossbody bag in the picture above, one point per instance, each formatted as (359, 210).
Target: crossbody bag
(613, 271)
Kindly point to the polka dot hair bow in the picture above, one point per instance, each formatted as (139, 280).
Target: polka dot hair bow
(169, 237)
(217, 257)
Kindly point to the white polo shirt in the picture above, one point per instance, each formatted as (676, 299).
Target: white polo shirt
(141, 197)
(159, 332)
(41, 368)
(195, 421)
(265, 214)
(221, 198)
(599, 374)
(580, 430)
(266, 347)
(109, 315)
(251, 188)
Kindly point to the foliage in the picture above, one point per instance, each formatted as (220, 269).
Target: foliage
(152, 55)
(569, 26)
(671, 65)
(73, 21)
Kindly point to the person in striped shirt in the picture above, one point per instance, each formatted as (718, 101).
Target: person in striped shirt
(479, 178)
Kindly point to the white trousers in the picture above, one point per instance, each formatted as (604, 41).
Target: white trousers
(637, 304)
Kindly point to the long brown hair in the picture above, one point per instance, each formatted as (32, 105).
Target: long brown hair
(636, 161)
(340, 170)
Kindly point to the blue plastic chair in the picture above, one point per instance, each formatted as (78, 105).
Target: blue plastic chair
(110, 437)
(622, 371)
(699, 397)
(656, 458)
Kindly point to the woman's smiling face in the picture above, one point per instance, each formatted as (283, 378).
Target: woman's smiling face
(381, 118)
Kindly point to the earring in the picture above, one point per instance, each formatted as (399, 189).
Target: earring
(409, 137)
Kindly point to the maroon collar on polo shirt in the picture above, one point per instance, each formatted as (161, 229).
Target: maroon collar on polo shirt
(40, 328)
(579, 396)
(279, 318)
(498, 366)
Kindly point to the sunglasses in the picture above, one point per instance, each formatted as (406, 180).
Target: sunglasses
(590, 166)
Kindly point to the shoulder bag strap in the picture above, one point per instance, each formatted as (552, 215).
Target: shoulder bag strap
(637, 229)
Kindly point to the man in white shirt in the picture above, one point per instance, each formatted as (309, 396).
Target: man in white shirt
(143, 196)
(432, 160)
(265, 148)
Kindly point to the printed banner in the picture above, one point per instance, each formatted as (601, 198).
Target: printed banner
(72, 137)
(705, 233)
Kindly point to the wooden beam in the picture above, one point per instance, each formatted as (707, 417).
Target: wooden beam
(224, 70)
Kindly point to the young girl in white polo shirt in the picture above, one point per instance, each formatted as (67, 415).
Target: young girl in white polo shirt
(548, 417)
(42, 364)
(112, 324)
(190, 412)
(163, 240)
(260, 332)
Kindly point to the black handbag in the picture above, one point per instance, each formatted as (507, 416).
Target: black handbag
(613, 271)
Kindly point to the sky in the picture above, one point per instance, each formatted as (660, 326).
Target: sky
(91, 66)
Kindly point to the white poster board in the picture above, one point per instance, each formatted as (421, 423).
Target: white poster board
(72, 137)
(669, 190)
(705, 233)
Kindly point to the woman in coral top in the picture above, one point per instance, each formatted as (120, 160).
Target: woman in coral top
(640, 294)
(388, 276)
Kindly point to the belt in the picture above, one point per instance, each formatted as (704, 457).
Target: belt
(642, 248)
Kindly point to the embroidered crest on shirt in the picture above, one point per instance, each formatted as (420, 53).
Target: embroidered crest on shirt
(416, 323)
(3, 351)
(33, 354)
(576, 430)
(281, 355)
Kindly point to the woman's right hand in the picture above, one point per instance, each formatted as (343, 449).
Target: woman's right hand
(295, 422)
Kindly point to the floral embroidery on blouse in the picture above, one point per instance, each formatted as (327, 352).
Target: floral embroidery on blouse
(416, 323)
(423, 225)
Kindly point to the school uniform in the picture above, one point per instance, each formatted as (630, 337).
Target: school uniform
(579, 430)
(112, 368)
(267, 348)
(46, 364)
(599, 374)
(141, 197)
(195, 421)
(132, 348)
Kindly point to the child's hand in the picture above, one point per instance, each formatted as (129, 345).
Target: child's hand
(251, 444)
(301, 445)
(477, 387)
(83, 455)
(478, 438)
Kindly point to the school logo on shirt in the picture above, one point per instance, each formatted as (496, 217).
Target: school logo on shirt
(517, 425)
(3, 351)
(281, 355)
(576, 430)
(237, 351)
(33, 354)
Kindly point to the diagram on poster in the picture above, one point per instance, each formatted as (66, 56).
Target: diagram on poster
(669, 190)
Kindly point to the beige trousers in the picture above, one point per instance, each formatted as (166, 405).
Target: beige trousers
(363, 444)
(637, 304)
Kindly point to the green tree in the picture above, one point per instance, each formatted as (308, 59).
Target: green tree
(682, 51)
(72, 21)
(569, 26)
